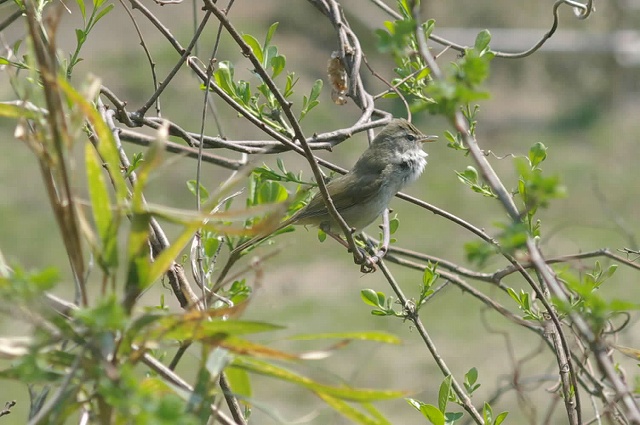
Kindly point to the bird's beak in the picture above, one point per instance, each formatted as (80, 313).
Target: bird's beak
(425, 139)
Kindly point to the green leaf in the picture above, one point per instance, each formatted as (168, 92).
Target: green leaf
(223, 77)
(487, 413)
(394, 223)
(371, 297)
(341, 392)
(452, 417)
(80, 36)
(277, 64)
(469, 176)
(500, 418)
(472, 376)
(361, 336)
(16, 111)
(101, 208)
(81, 6)
(431, 412)
(315, 90)
(429, 27)
(482, 41)
(416, 404)
(429, 276)
(290, 83)
(103, 12)
(537, 154)
(270, 33)
(351, 412)
(271, 192)
(309, 103)
(470, 379)
(137, 257)
(243, 89)
(265, 173)
(255, 46)
(106, 144)
(443, 394)
(211, 245)
(204, 193)
(182, 327)
(239, 381)
(270, 52)
(513, 295)
(610, 271)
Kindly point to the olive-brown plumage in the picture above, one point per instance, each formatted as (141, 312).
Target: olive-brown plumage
(394, 159)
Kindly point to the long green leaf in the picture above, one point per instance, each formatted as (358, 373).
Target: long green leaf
(362, 336)
(101, 208)
(138, 258)
(255, 46)
(106, 143)
(344, 393)
(351, 412)
(16, 111)
(269, 36)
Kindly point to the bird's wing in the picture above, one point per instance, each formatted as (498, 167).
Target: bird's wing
(361, 190)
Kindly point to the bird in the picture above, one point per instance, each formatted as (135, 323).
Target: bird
(394, 159)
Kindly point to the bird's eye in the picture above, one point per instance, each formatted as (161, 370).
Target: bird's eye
(411, 137)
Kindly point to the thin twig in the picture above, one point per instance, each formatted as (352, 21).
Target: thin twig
(412, 315)
(572, 396)
(299, 136)
(165, 82)
(583, 11)
(147, 53)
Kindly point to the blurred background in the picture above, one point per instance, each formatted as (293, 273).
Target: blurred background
(579, 95)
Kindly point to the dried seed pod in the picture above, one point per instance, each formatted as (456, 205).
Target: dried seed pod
(337, 78)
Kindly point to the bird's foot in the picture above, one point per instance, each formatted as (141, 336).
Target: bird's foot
(369, 265)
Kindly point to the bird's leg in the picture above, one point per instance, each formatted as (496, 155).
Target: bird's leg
(386, 240)
(367, 264)
(370, 265)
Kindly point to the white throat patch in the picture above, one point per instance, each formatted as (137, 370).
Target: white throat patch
(417, 161)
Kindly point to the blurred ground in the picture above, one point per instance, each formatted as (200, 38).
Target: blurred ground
(581, 105)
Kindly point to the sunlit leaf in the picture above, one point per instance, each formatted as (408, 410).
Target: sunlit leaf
(255, 46)
(277, 64)
(239, 381)
(482, 41)
(16, 111)
(443, 394)
(270, 32)
(101, 208)
(537, 154)
(362, 336)
(106, 143)
(432, 413)
(204, 193)
(343, 392)
(351, 412)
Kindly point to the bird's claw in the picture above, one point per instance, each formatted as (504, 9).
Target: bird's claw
(367, 263)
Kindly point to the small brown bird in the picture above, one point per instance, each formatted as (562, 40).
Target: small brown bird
(394, 159)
